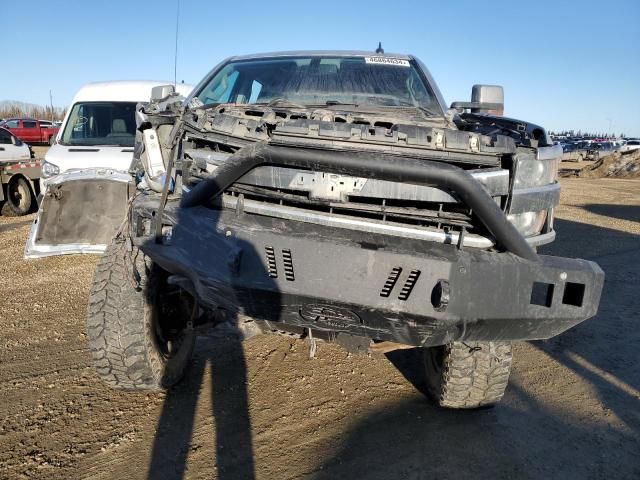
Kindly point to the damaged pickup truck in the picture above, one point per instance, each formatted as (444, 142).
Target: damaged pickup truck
(332, 196)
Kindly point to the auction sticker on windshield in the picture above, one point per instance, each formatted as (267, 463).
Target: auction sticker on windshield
(398, 62)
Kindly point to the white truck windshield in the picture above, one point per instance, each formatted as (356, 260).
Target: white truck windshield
(101, 123)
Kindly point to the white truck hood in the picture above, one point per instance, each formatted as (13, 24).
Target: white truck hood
(67, 157)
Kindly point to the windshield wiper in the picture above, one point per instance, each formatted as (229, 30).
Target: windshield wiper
(337, 102)
(282, 101)
(427, 112)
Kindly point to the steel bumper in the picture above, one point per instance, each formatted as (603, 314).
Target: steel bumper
(403, 290)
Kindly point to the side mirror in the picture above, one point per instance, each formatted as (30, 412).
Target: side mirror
(487, 99)
(161, 92)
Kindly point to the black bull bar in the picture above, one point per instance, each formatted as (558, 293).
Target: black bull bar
(369, 165)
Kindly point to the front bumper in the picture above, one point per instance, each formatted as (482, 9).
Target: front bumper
(380, 287)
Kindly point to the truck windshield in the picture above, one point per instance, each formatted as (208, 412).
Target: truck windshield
(101, 123)
(317, 81)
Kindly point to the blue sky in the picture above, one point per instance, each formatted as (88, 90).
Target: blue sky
(563, 64)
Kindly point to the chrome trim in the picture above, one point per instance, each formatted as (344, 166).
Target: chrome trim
(32, 251)
(541, 239)
(350, 223)
(534, 199)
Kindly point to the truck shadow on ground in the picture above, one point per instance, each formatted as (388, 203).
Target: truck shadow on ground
(602, 352)
(623, 212)
(520, 438)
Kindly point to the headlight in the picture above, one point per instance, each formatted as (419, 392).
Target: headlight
(528, 223)
(531, 172)
(49, 169)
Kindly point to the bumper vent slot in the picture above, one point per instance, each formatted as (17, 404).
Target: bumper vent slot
(287, 259)
(391, 282)
(272, 269)
(409, 284)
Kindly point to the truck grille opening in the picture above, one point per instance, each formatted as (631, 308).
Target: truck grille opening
(446, 217)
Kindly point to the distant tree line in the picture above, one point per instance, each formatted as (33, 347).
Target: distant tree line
(10, 109)
(581, 134)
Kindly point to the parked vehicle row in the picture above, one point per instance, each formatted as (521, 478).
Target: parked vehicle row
(32, 131)
(579, 150)
(600, 149)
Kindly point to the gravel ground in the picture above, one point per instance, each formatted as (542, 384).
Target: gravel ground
(572, 409)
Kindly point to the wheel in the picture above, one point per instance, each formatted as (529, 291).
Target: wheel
(138, 325)
(468, 375)
(19, 198)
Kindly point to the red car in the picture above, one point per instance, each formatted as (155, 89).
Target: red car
(31, 131)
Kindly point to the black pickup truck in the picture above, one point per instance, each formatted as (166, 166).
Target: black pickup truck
(333, 196)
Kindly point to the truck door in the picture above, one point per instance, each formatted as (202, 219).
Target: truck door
(31, 131)
(14, 126)
(12, 148)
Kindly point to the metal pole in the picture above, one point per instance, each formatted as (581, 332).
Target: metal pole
(175, 57)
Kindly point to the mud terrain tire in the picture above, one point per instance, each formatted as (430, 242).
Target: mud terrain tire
(468, 375)
(137, 342)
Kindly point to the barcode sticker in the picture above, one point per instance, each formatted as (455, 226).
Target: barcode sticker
(398, 62)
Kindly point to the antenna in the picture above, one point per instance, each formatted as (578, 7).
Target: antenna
(380, 50)
(175, 57)
(51, 103)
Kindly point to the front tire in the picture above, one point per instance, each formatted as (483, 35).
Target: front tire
(139, 340)
(468, 375)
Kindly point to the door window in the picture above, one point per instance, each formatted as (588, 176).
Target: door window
(28, 124)
(5, 138)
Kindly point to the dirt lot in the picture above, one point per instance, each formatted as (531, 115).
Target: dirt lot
(572, 409)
